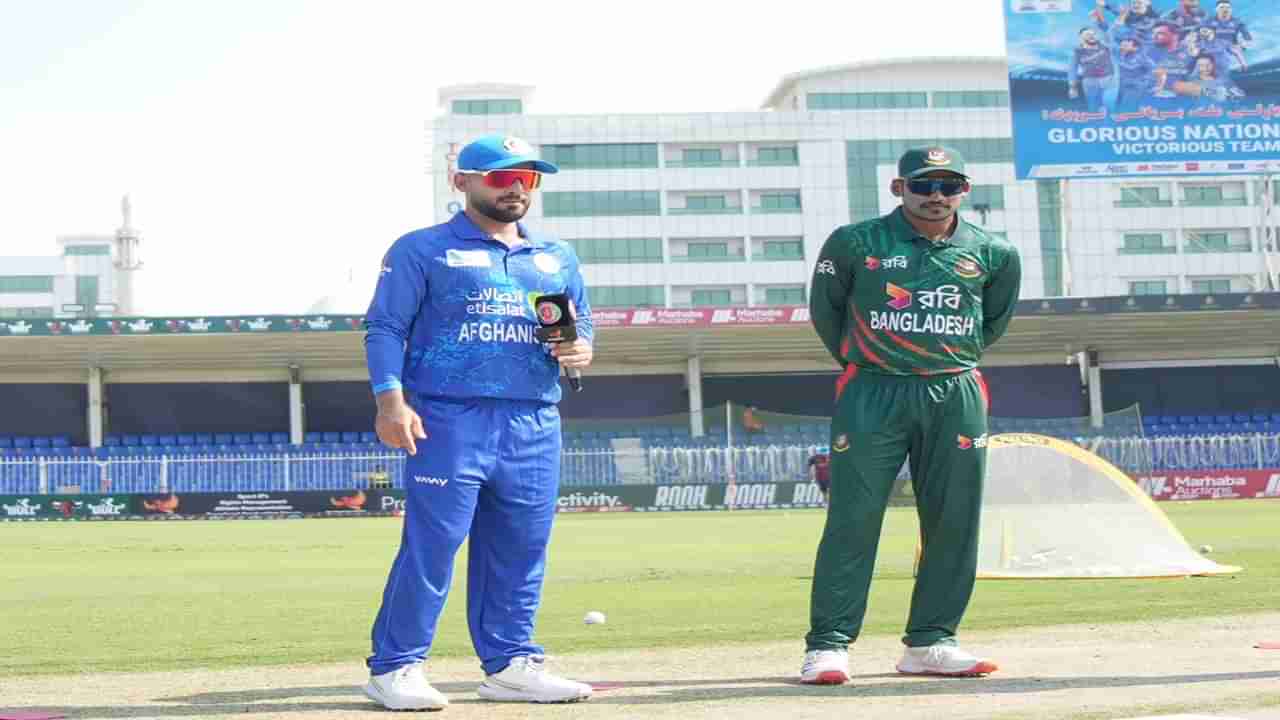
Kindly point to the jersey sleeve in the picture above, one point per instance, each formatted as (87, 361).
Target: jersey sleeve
(829, 291)
(577, 291)
(1000, 294)
(397, 301)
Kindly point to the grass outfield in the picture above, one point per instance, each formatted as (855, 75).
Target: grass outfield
(93, 597)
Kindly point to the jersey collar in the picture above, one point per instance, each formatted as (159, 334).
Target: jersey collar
(464, 229)
(962, 234)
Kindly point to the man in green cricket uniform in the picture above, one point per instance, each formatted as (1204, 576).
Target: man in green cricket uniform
(907, 303)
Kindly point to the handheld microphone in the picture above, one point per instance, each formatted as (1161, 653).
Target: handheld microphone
(555, 325)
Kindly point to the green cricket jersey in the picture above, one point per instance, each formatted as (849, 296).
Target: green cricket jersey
(889, 301)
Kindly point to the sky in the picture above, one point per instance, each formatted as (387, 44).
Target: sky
(273, 149)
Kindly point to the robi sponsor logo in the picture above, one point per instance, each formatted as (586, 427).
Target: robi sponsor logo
(964, 442)
(899, 299)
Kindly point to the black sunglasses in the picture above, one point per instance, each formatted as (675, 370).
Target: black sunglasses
(929, 186)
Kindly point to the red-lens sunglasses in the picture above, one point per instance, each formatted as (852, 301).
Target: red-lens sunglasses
(501, 179)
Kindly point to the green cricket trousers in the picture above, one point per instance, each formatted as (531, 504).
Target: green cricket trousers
(939, 423)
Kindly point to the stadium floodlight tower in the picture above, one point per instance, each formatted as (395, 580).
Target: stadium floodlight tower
(127, 261)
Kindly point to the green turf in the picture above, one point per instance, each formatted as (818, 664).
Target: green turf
(82, 597)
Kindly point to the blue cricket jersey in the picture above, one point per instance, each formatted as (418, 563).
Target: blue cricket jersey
(1229, 31)
(452, 315)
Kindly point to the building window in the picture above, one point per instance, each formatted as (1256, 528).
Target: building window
(783, 250)
(1224, 195)
(603, 296)
(708, 251)
(702, 157)
(599, 156)
(86, 250)
(1148, 196)
(971, 99)
(26, 283)
(1148, 287)
(87, 291)
(705, 205)
(26, 312)
(487, 107)
(711, 298)
(1218, 241)
(1211, 286)
(603, 203)
(618, 250)
(867, 101)
(991, 196)
(1146, 244)
(784, 202)
(784, 296)
(786, 156)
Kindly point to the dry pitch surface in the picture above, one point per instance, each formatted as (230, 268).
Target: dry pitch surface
(1206, 666)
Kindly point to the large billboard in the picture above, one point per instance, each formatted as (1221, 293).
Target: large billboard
(1104, 88)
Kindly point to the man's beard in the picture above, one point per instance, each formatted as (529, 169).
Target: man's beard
(495, 213)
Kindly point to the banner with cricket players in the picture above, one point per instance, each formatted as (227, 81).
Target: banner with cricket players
(1144, 87)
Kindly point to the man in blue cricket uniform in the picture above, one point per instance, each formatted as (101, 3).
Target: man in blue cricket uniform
(1090, 70)
(1173, 64)
(1187, 16)
(1140, 18)
(1228, 29)
(464, 386)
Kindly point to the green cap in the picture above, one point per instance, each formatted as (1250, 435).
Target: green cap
(923, 160)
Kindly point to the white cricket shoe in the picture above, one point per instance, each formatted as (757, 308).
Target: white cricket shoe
(946, 660)
(526, 680)
(825, 667)
(404, 688)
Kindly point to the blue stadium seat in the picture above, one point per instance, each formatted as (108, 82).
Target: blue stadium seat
(1155, 429)
(22, 443)
(223, 439)
(203, 439)
(112, 441)
(331, 437)
(260, 438)
(104, 452)
(41, 443)
(60, 441)
(1186, 419)
(1167, 419)
(280, 438)
(369, 438)
(1204, 420)
(1213, 428)
(1275, 418)
(1241, 417)
(225, 448)
(1259, 417)
(167, 441)
(6, 442)
(185, 439)
(351, 437)
(148, 440)
(58, 452)
(1223, 419)
(129, 440)
(203, 449)
(242, 438)
(312, 437)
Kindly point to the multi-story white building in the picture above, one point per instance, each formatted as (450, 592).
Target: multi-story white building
(91, 276)
(705, 209)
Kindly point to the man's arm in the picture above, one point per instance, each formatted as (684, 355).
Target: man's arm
(829, 291)
(1000, 295)
(402, 286)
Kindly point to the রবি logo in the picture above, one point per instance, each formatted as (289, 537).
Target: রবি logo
(968, 269)
(965, 442)
(872, 263)
(937, 156)
(841, 444)
(900, 299)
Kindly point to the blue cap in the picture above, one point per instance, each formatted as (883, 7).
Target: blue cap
(498, 152)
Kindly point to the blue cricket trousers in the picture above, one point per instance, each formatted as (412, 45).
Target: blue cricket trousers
(489, 468)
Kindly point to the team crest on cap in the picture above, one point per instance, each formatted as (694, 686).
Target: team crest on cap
(841, 444)
(968, 269)
(937, 156)
(516, 146)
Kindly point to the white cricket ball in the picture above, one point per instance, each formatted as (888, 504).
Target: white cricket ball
(595, 617)
(1206, 549)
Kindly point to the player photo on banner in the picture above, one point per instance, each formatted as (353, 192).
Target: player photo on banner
(1144, 87)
